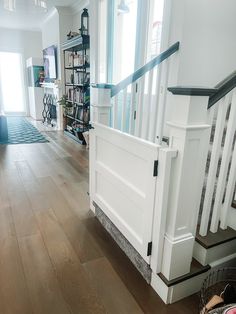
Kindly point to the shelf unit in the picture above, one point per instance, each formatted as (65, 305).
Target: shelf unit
(77, 82)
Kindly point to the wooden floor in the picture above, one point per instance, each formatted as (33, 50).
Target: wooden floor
(55, 258)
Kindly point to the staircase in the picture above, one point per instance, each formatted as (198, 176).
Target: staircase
(169, 203)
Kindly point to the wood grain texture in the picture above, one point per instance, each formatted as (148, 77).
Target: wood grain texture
(73, 280)
(118, 299)
(55, 257)
(14, 296)
(44, 291)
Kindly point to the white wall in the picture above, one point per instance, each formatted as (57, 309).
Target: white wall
(27, 43)
(206, 31)
(50, 30)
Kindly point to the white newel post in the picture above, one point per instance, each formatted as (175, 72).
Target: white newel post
(189, 135)
(101, 104)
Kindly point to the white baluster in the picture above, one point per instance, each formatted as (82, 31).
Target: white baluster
(220, 123)
(132, 108)
(139, 113)
(224, 166)
(229, 192)
(115, 112)
(148, 105)
(161, 103)
(154, 110)
(124, 110)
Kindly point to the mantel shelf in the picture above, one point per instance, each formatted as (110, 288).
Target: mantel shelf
(50, 85)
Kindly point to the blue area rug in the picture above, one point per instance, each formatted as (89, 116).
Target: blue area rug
(20, 131)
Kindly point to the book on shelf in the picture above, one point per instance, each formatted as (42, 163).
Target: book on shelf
(78, 96)
(69, 128)
(71, 94)
(70, 59)
(74, 111)
(77, 59)
(86, 116)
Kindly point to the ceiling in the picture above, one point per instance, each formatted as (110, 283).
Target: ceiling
(27, 15)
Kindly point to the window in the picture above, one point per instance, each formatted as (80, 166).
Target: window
(155, 28)
(125, 21)
(129, 36)
(102, 71)
(11, 83)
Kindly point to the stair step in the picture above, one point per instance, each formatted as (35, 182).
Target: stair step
(214, 239)
(195, 270)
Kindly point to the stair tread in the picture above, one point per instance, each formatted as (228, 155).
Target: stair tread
(214, 239)
(195, 270)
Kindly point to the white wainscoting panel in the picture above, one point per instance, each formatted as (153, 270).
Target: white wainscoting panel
(123, 184)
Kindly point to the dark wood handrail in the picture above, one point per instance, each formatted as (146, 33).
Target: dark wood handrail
(144, 69)
(115, 89)
(223, 88)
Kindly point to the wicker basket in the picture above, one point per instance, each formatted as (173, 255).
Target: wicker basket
(215, 283)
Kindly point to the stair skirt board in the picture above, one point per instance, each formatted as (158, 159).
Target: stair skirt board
(124, 244)
(207, 256)
(178, 291)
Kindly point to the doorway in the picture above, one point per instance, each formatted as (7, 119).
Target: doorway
(12, 93)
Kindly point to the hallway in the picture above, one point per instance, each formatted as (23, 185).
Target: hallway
(55, 257)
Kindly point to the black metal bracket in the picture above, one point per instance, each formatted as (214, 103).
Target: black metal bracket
(155, 168)
(149, 249)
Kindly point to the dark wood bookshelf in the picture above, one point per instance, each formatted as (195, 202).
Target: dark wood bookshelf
(76, 87)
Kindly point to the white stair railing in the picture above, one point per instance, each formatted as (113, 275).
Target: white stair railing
(138, 102)
(220, 180)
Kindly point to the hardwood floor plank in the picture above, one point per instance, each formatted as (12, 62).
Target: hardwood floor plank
(73, 280)
(82, 242)
(38, 200)
(46, 185)
(10, 179)
(25, 172)
(23, 216)
(42, 283)
(4, 200)
(57, 148)
(50, 153)
(56, 199)
(77, 198)
(7, 228)
(14, 297)
(77, 166)
(9, 154)
(117, 300)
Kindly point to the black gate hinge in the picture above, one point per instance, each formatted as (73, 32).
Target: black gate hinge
(135, 115)
(155, 168)
(149, 249)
